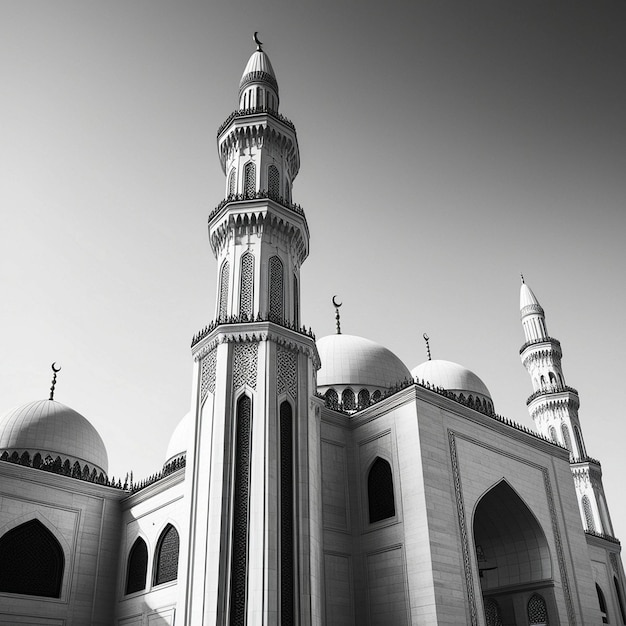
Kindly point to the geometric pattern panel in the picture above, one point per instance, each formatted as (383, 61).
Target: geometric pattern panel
(492, 613)
(166, 567)
(380, 491)
(31, 561)
(276, 289)
(247, 281)
(207, 375)
(287, 372)
(245, 364)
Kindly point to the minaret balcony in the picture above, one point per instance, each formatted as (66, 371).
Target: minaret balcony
(259, 195)
(534, 342)
(552, 390)
(254, 112)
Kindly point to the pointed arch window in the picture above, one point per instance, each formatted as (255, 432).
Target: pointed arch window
(620, 600)
(137, 567)
(380, 496)
(537, 611)
(31, 561)
(602, 603)
(273, 181)
(246, 292)
(166, 560)
(276, 289)
(249, 180)
(224, 280)
(566, 438)
(332, 399)
(363, 398)
(241, 505)
(553, 434)
(232, 182)
(347, 400)
(296, 301)
(287, 584)
(492, 613)
(588, 513)
(376, 396)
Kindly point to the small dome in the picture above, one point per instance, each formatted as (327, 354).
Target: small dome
(177, 447)
(355, 361)
(527, 297)
(452, 377)
(50, 428)
(258, 70)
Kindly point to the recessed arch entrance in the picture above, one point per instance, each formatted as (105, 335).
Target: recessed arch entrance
(513, 558)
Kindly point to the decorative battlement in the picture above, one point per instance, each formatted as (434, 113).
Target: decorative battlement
(551, 390)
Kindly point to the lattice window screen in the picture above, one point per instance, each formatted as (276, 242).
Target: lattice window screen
(31, 561)
(588, 514)
(287, 613)
(232, 182)
(249, 180)
(166, 568)
(276, 289)
(224, 280)
(332, 399)
(273, 181)
(247, 282)
(347, 400)
(363, 398)
(137, 566)
(492, 613)
(380, 491)
(240, 513)
(537, 610)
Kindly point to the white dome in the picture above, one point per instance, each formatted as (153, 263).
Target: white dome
(355, 361)
(177, 447)
(452, 377)
(50, 428)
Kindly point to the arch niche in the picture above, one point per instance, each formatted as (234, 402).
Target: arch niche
(512, 555)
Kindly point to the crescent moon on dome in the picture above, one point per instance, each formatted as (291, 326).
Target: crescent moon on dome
(336, 303)
(256, 39)
(55, 369)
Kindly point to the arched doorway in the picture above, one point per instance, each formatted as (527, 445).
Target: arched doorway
(512, 554)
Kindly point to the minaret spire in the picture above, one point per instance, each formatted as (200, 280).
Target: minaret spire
(554, 405)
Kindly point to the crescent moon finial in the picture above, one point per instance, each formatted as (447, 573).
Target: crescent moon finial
(256, 41)
(337, 316)
(427, 340)
(54, 379)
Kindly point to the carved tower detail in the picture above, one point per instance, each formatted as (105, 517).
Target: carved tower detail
(554, 405)
(251, 555)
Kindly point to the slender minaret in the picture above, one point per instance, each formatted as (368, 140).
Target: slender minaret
(554, 408)
(252, 496)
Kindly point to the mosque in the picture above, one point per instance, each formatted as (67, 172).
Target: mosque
(312, 483)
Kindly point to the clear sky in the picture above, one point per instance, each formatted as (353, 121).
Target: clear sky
(446, 146)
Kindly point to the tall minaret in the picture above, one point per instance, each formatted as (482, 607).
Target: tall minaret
(554, 408)
(252, 495)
